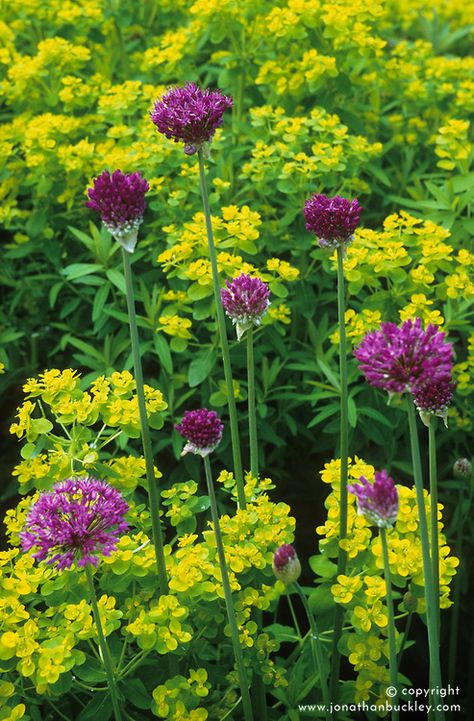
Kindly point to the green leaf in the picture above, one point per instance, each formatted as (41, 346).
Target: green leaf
(282, 633)
(135, 690)
(41, 425)
(99, 301)
(116, 277)
(376, 415)
(322, 566)
(330, 410)
(201, 367)
(99, 708)
(78, 270)
(27, 451)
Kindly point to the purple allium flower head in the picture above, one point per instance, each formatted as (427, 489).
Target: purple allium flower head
(377, 501)
(245, 300)
(190, 115)
(334, 220)
(286, 565)
(120, 200)
(404, 358)
(203, 431)
(434, 397)
(77, 520)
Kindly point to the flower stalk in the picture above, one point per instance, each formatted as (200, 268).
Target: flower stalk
(343, 452)
(433, 476)
(234, 429)
(239, 661)
(393, 666)
(103, 646)
(152, 482)
(430, 600)
(251, 405)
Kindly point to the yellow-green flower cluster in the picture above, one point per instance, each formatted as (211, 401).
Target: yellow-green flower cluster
(59, 404)
(362, 588)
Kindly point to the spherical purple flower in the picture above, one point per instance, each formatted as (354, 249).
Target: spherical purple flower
(404, 358)
(334, 220)
(377, 501)
(286, 565)
(77, 520)
(203, 431)
(245, 300)
(190, 115)
(434, 397)
(120, 201)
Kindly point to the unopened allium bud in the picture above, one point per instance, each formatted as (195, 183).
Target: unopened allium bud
(245, 301)
(286, 565)
(190, 115)
(120, 201)
(377, 501)
(462, 468)
(434, 397)
(333, 220)
(77, 520)
(202, 430)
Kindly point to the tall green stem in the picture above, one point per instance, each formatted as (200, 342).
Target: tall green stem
(153, 490)
(104, 649)
(454, 629)
(234, 630)
(433, 472)
(344, 448)
(234, 428)
(251, 405)
(317, 649)
(430, 600)
(392, 647)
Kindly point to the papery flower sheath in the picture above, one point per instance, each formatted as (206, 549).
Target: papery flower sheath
(377, 501)
(286, 565)
(190, 115)
(404, 358)
(120, 201)
(202, 430)
(333, 220)
(78, 520)
(245, 301)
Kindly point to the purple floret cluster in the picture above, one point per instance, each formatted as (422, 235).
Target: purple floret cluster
(202, 430)
(377, 501)
(120, 201)
(406, 358)
(245, 301)
(190, 115)
(78, 520)
(333, 220)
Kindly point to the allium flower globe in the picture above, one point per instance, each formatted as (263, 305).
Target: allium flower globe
(202, 430)
(286, 565)
(78, 520)
(120, 201)
(405, 358)
(333, 220)
(434, 397)
(190, 115)
(377, 501)
(245, 301)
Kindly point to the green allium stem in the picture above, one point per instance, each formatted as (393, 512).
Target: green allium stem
(434, 513)
(344, 447)
(317, 649)
(153, 489)
(454, 629)
(234, 428)
(392, 647)
(234, 630)
(431, 602)
(251, 405)
(104, 649)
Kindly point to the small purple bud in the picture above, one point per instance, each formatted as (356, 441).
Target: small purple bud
(245, 301)
(462, 468)
(202, 430)
(377, 501)
(333, 220)
(120, 201)
(433, 398)
(286, 565)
